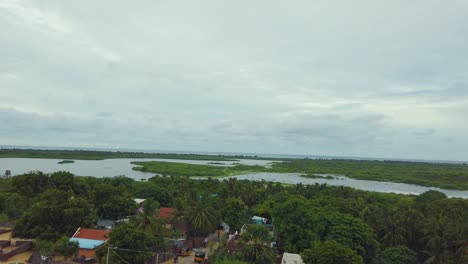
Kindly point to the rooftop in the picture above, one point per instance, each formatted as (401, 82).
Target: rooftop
(87, 243)
(289, 258)
(166, 212)
(92, 234)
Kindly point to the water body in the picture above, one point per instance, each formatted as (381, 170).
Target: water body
(101, 168)
(117, 167)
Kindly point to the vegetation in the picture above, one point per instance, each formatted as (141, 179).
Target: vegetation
(330, 251)
(197, 170)
(443, 175)
(99, 155)
(449, 176)
(66, 161)
(316, 176)
(318, 221)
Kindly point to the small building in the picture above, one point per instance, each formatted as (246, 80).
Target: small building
(289, 258)
(89, 240)
(105, 224)
(139, 201)
(257, 220)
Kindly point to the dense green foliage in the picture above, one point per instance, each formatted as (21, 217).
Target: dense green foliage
(330, 251)
(450, 176)
(185, 169)
(376, 228)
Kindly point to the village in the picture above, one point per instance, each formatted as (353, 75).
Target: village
(184, 249)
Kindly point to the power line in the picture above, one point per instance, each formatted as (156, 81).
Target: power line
(120, 256)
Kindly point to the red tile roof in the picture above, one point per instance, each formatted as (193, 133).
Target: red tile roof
(166, 212)
(95, 234)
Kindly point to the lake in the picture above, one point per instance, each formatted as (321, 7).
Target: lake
(116, 167)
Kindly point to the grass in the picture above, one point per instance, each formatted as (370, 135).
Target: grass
(194, 170)
(66, 161)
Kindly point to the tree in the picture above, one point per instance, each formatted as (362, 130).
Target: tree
(293, 224)
(57, 213)
(255, 243)
(146, 221)
(395, 255)
(202, 215)
(46, 247)
(62, 180)
(131, 244)
(396, 229)
(330, 252)
(437, 236)
(31, 184)
(65, 247)
(235, 213)
(112, 202)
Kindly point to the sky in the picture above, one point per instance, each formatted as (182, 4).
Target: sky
(361, 78)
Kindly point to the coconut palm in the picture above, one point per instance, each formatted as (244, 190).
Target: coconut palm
(146, 220)
(437, 235)
(255, 244)
(202, 216)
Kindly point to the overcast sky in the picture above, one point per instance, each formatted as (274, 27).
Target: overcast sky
(323, 77)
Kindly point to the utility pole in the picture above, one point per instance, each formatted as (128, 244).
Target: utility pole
(108, 250)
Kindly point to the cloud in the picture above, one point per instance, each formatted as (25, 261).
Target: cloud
(321, 77)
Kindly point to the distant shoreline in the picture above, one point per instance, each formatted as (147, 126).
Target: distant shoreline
(235, 155)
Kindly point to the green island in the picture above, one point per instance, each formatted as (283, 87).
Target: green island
(315, 176)
(324, 224)
(448, 176)
(194, 170)
(66, 162)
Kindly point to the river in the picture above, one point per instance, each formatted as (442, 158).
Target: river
(117, 167)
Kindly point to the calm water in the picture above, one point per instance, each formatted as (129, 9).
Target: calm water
(100, 168)
(116, 167)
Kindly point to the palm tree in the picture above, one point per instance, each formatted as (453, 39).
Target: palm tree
(146, 221)
(396, 230)
(202, 216)
(437, 235)
(255, 244)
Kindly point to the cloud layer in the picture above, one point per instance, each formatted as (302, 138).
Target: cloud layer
(304, 77)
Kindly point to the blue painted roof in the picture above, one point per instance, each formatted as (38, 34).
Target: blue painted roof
(87, 243)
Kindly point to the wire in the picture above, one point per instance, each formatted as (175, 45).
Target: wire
(120, 257)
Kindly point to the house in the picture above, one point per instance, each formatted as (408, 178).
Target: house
(166, 212)
(89, 240)
(289, 258)
(139, 201)
(105, 224)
